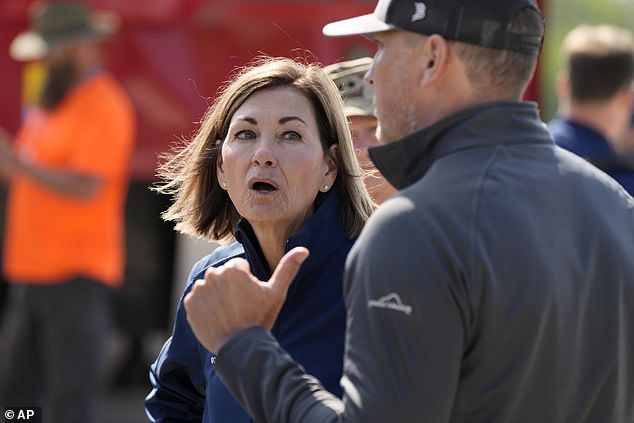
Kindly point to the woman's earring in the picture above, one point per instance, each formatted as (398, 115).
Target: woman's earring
(224, 185)
(324, 188)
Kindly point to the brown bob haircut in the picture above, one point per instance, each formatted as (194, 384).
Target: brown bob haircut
(189, 172)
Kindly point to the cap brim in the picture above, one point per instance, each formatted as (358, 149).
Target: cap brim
(28, 46)
(31, 45)
(365, 24)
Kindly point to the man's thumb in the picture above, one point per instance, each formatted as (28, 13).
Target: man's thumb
(287, 268)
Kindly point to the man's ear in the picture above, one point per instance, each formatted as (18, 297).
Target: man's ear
(435, 59)
(626, 97)
(562, 88)
(562, 85)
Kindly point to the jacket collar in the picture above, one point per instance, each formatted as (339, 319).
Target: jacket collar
(405, 161)
(323, 232)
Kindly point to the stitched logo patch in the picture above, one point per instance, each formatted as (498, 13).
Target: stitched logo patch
(391, 301)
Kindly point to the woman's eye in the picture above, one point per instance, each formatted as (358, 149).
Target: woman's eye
(292, 136)
(245, 135)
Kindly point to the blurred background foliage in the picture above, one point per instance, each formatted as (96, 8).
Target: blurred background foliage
(561, 17)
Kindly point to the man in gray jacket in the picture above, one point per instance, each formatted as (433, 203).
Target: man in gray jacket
(497, 286)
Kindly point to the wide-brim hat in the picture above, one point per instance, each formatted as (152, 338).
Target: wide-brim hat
(57, 24)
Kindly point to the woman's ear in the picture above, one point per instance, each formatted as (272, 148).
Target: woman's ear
(332, 166)
(220, 173)
(221, 177)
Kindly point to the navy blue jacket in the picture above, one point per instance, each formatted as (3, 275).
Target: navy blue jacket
(310, 326)
(592, 146)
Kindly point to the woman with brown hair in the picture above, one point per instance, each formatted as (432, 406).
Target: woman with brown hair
(272, 166)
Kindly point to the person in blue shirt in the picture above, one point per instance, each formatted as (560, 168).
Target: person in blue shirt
(272, 166)
(596, 96)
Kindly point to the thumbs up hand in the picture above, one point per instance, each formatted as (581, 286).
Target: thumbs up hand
(231, 299)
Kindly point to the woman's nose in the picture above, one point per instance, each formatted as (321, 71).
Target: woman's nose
(264, 155)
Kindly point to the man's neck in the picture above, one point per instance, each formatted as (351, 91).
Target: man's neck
(598, 116)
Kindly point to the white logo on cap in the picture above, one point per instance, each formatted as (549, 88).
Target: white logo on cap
(420, 12)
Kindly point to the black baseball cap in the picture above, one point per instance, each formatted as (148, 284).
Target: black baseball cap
(480, 22)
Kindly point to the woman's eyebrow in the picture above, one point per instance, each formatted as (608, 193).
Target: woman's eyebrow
(248, 119)
(283, 120)
(290, 118)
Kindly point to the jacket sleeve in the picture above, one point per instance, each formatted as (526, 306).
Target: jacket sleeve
(407, 313)
(178, 381)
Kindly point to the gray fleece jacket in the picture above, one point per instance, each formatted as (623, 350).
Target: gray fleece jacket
(497, 286)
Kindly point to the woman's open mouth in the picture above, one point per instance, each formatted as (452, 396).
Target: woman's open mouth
(263, 186)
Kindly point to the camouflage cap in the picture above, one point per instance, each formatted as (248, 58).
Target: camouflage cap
(358, 98)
